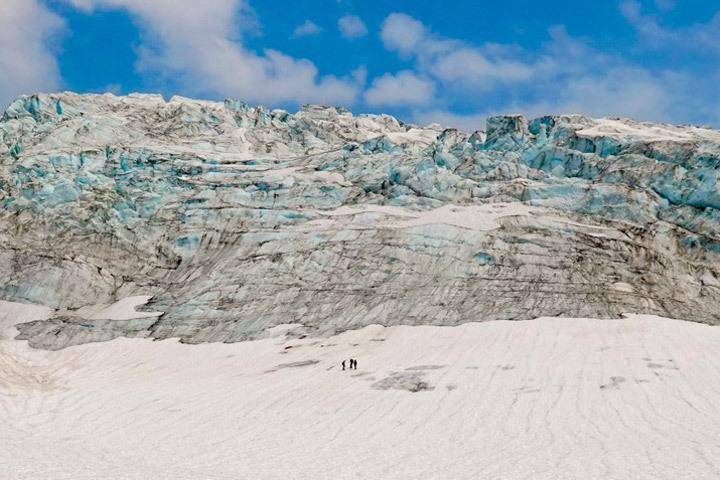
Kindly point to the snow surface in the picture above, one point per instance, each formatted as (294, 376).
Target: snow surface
(549, 398)
(622, 128)
(473, 217)
(121, 310)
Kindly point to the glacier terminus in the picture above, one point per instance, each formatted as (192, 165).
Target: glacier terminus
(237, 219)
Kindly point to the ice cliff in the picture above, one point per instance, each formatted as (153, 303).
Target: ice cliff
(237, 218)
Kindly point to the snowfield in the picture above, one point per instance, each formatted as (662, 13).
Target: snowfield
(551, 398)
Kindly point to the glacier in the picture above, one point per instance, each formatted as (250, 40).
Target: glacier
(237, 218)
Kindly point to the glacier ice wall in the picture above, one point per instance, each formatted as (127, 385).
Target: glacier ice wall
(237, 218)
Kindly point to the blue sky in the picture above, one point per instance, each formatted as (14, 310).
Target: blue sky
(452, 62)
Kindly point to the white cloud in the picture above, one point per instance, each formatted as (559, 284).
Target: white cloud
(647, 26)
(689, 39)
(359, 75)
(352, 27)
(27, 61)
(467, 65)
(306, 29)
(620, 92)
(449, 60)
(402, 33)
(623, 91)
(465, 123)
(563, 75)
(404, 88)
(197, 44)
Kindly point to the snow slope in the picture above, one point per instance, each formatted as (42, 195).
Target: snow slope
(634, 398)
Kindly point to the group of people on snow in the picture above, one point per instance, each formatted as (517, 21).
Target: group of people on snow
(353, 364)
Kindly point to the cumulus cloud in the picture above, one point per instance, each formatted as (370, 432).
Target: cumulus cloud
(306, 29)
(402, 33)
(628, 91)
(197, 44)
(467, 65)
(656, 35)
(465, 123)
(563, 75)
(622, 91)
(352, 27)
(450, 60)
(27, 62)
(647, 26)
(404, 88)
